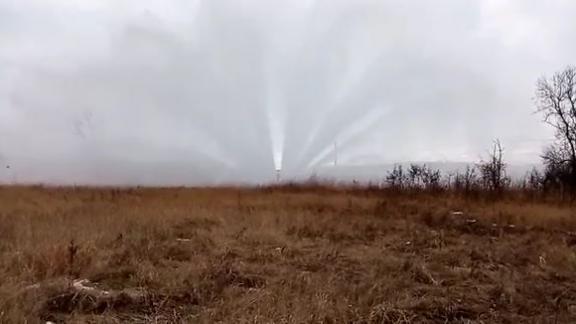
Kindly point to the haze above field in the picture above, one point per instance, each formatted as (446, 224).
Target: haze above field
(161, 92)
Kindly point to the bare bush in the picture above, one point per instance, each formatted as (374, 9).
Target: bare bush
(465, 181)
(397, 178)
(493, 171)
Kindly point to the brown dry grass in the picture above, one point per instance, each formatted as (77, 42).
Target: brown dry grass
(282, 255)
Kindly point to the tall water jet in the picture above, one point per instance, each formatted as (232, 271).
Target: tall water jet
(276, 121)
(276, 138)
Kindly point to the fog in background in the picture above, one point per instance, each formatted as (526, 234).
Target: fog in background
(212, 91)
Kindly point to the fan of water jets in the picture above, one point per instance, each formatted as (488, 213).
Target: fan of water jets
(246, 90)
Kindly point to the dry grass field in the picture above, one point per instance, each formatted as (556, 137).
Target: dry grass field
(282, 255)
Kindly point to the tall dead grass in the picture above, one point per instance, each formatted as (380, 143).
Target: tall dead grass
(289, 254)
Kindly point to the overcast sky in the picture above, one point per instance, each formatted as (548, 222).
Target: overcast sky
(181, 91)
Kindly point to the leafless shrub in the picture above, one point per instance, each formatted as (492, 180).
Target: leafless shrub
(493, 171)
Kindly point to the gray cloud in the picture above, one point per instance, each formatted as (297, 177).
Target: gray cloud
(169, 92)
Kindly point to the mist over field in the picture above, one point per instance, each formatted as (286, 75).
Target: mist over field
(205, 92)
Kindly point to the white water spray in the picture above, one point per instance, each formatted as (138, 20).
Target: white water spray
(358, 127)
(276, 124)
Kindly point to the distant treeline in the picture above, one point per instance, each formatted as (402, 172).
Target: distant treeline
(487, 178)
(556, 101)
